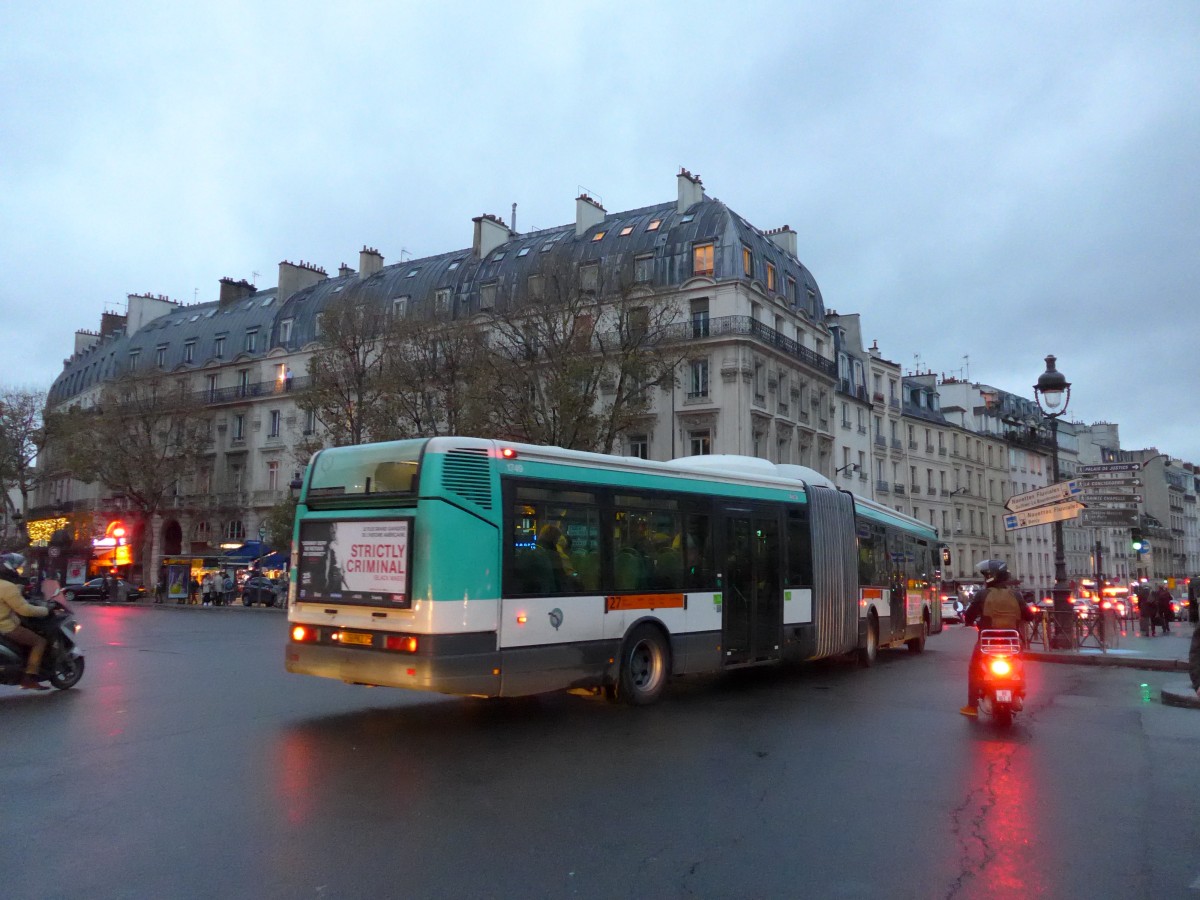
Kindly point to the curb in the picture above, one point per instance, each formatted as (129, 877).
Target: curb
(178, 607)
(1127, 662)
(1180, 693)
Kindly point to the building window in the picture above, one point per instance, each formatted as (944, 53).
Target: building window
(234, 531)
(274, 427)
(770, 277)
(133, 359)
(285, 331)
(653, 226)
(699, 443)
(524, 251)
(243, 382)
(699, 318)
(537, 286)
(189, 352)
(639, 446)
(273, 475)
(747, 261)
(643, 267)
(251, 340)
(310, 421)
(599, 236)
(160, 355)
(219, 346)
(239, 427)
(698, 379)
(399, 307)
(702, 259)
(791, 290)
(589, 277)
(441, 300)
(626, 231)
(487, 296)
(210, 387)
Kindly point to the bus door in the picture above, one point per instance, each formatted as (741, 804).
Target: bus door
(898, 584)
(752, 595)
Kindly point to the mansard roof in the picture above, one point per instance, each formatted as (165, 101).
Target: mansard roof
(613, 243)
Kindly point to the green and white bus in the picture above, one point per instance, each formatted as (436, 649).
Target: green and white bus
(496, 569)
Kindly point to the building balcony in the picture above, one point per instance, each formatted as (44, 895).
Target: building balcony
(882, 486)
(745, 326)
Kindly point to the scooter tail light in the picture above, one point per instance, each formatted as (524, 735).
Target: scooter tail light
(1001, 666)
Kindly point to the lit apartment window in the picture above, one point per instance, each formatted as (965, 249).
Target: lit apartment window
(770, 277)
(653, 226)
(599, 236)
(626, 231)
(702, 259)
(747, 261)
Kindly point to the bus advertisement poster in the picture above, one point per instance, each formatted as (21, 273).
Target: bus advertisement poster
(364, 561)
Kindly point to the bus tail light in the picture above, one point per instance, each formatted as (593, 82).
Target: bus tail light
(303, 634)
(508, 453)
(401, 643)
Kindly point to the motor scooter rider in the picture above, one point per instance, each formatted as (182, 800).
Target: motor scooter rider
(13, 605)
(997, 606)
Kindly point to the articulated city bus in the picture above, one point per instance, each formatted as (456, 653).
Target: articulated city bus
(496, 569)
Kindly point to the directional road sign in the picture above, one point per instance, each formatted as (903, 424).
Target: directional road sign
(1112, 467)
(1109, 518)
(1114, 497)
(1056, 512)
(1104, 482)
(1054, 493)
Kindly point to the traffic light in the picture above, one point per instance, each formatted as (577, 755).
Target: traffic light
(1139, 542)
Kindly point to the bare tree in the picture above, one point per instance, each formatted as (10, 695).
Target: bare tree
(145, 436)
(21, 436)
(348, 391)
(574, 362)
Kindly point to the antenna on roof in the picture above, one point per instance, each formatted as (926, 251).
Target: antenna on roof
(967, 366)
(403, 251)
(254, 278)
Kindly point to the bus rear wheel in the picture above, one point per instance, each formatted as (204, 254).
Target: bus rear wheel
(917, 644)
(644, 667)
(870, 649)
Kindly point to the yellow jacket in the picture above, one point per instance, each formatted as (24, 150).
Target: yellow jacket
(12, 604)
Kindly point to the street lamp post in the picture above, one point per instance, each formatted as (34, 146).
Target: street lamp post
(1053, 394)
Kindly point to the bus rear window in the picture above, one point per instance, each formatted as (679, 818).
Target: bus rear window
(389, 469)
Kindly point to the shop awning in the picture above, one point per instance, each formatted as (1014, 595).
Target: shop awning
(276, 560)
(245, 554)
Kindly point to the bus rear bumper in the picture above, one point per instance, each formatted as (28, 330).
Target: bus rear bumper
(474, 673)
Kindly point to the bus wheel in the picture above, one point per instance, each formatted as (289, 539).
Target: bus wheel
(917, 644)
(644, 667)
(868, 653)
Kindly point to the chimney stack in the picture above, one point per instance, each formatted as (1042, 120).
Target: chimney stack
(297, 276)
(691, 190)
(783, 238)
(233, 291)
(370, 261)
(587, 213)
(490, 233)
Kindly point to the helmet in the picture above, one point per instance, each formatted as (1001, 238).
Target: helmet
(12, 566)
(993, 570)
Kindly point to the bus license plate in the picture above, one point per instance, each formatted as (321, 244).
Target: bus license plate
(1004, 696)
(354, 637)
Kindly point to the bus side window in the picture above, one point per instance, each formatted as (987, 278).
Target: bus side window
(799, 538)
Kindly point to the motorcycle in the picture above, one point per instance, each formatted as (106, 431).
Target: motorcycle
(62, 663)
(1002, 675)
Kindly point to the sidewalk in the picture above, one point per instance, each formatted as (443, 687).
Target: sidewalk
(1161, 653)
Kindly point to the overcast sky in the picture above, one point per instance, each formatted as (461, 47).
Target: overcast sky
(984, 183)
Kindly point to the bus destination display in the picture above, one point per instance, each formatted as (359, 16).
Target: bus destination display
(355, 561)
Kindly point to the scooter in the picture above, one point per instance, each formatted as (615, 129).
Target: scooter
(1002, 679)
(62, 663)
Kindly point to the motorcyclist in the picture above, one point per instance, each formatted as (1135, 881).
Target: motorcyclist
(997, 606)
(12, 606)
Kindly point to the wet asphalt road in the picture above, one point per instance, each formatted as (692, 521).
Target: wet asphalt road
(189, 764)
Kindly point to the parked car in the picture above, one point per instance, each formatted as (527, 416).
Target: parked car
(260, 590)
(90, 590)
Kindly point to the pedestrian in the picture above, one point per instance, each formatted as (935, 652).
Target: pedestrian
(193, 591)
(1162, 606)
(105, 588)
(1193, 594)
(208, 589)
(1145, 610)
(160, 587)
(227, 591)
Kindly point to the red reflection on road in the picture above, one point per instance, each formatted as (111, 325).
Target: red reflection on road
(995, 825)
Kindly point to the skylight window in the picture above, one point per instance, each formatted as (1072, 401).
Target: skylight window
(268, 301)
(412, 272)
(498, 255)
(626, 231)
(453, 265)
(598, 236)
(687, 218)
(548, 246)
(524, 251)
(653, 226)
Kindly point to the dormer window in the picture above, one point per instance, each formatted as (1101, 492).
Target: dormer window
(770, 277)
(747, 261)
(219, 346)
(251, 340)
(702, 259)
(160, 355)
